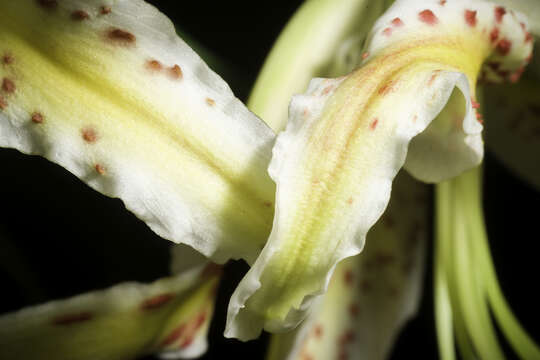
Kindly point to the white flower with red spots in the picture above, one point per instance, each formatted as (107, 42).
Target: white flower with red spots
(136, 114)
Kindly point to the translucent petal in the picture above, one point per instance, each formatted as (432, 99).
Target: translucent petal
(372, 295)
(170, 316)
(347, 138)
(107, 90)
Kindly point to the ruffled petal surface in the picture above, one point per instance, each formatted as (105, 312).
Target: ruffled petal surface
(348, 137)
(107, 90)
(372, 295)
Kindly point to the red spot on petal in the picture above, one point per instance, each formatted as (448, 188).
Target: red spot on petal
(318, 331)
(174, 335)
(397, 22)
(176, 72)
(153, 65)
(3, 103)
(528, 37)
(48, 4)
(100, 169)
(470, 17)
(104, 10)
(365, 55)
(427, 16)
(387, 31)
(479, 118)
(37, 118)
(69, 319)
(494, 35)
(89, 135)
(349, 278)
(354, 310)
(475, 104)
(8, 85)
(121, 37)
(156, 301)
(199, 321)
(494, 65)
(210, 102)
(350, 201)
(7, 59)
(504, 46)
(514, 78)
(373, 124)
(327, 89)
(499, 13)
(79, 15)
(187, 341)
(386, 88)
(347, 338)
(442, 2)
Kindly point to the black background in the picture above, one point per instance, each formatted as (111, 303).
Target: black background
(68, 239)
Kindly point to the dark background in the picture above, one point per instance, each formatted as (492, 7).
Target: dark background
(64, 238)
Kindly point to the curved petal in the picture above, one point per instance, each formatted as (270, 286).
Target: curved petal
(347, 138)
(529, 7)
(372, 295)
(306, 48)
(107, 90)
(170, 317)
(513, 130)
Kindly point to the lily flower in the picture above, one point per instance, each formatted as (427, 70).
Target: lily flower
(110, 92)
(362, 313)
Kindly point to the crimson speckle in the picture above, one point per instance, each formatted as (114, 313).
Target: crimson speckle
(8, 85)
(7, 59)
(442, 2)
(475, 104)
(427, 16)
(514, 78)
(499, 13)
(349, 278)
(387, 31)
(386, 88)
(104, 10)
(121, 36)
(154, 65)
(48, 4)
(373, 124)
(176, 72)
(494, 65)
(528, 37)
(479, 118)
(318, 331)
(79, 15)
(174, 335)
(187, 341)
(72, 318)
(397, 22)
(156, 301)
(494, 35)
(100, 169)
(470, 17)
(89, 135)
(504, 46)
(37, 118)
(365, 55)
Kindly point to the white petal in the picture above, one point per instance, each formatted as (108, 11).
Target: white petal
(170, 316)
(372, 295)
(347, 138)
(107, 90)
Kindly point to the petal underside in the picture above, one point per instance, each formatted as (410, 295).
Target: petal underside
(372, 295)
(348, 137)
(107, 90)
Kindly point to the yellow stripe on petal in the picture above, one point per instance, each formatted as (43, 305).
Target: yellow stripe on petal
(107, 90)
(372, 295)
(347, 138)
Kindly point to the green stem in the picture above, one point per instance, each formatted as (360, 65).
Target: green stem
(518, 338)
(443, 306)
